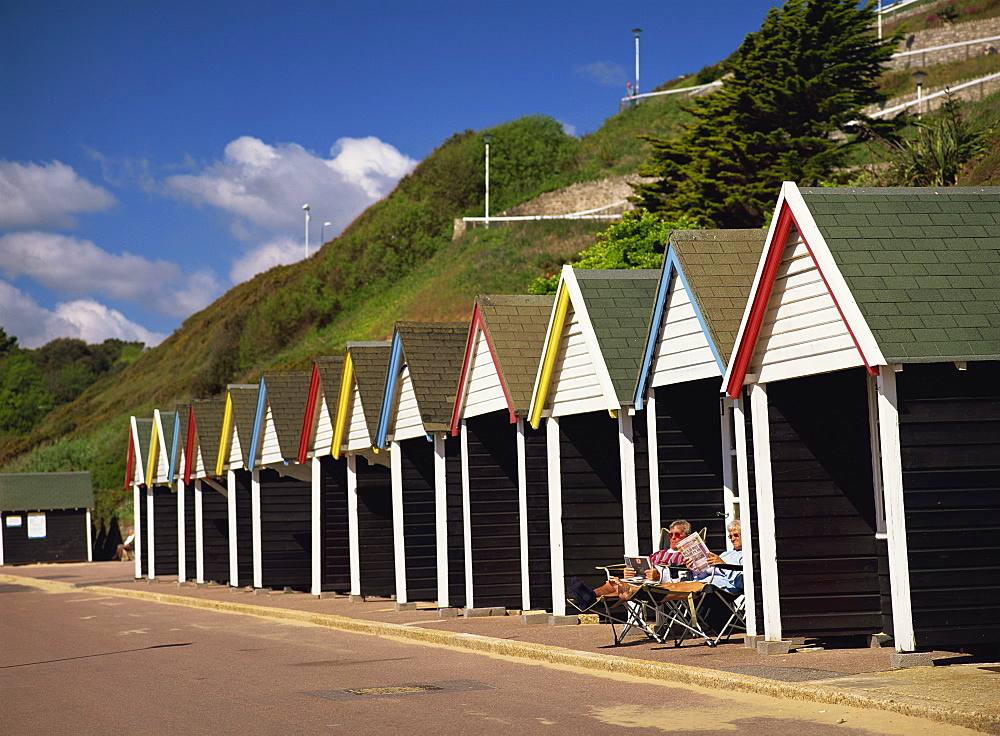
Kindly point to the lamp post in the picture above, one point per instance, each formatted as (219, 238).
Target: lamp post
(635, 89)
(308, 218)
(919, 77)
(879, 13)
(322, 232)
(486, 139)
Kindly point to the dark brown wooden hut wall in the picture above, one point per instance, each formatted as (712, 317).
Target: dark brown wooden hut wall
(65, 538)
(950, 443)
(143, 521)
(374, 491)
(286, 531)
(336, 551)
(824, 505)
(455, 522)
(640, 439)
(495, 517)
(689, 444)
(537, 490)
(419, 530)
(215, 534)
(190, 538)
(244, 528)
(164, 531)
(591, 495)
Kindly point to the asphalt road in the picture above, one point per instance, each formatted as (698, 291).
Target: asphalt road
(86, 664)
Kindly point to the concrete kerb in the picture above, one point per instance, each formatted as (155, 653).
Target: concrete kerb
(667, 672)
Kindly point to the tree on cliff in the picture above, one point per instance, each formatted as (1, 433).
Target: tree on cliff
(802, 77)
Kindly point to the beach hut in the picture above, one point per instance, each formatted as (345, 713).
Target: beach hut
(45, 517)
(211, 492)
(870, 347)
(186, 521)
(425, 468)
(696, 436)
(369, 485)
(584, 390)
(281, 489)
(140, 436)
(503, 458)
(160, 507)
(331, 567)
(233, 463)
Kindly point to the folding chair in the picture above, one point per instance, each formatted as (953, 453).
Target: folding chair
(623, 615)
(737, 618)
(677, 611)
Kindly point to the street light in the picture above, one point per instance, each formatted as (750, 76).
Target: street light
(919, 77)
(322, 232)
(635, 90)
(308, 218)
(486, 139)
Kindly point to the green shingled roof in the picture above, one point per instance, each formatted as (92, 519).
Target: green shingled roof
(287, 393)
(620, 304)
(167, 421)
(516, 327)
(184, 411)
(434, 353)
(331, 371)
(208, 415)
(46, 491)
(719, 266)
(371, 361)
(244, 398)
(923, 265)
(144, 432)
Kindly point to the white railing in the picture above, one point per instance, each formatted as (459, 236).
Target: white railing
(696, 88)
(895, 6)
(946, 46)
(934, 95)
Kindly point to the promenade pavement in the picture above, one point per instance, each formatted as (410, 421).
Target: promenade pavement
(958, 689)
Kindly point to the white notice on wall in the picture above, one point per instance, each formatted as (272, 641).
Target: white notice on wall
(36, 526)
(13, 521)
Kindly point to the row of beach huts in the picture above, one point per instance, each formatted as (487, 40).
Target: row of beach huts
(832, 381)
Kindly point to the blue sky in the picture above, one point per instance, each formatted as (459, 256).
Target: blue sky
(155, 154)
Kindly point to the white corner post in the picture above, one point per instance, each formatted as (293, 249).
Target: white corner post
(353, 532)
(653, 455)
(398, 535)
(181, 537)
(522, 513)
(904, 637)
(554, 474)
(199, 535)
(466, 516)
(765, 512)
(258, 539)
(150, 536)
(441, 520)
(234, 566)
(138, 529)
(316, 527)
(626, 458)
(746, 523)
(90, 538)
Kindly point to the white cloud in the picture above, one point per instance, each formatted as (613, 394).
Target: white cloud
(77, 267)
(86, 319)
(260, 259)
(46, 195)
(603, 73)
(263, 186)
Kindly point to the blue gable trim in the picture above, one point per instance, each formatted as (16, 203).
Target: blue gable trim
(258, 423)
(671, 268)
(173, 449)
(389, 395)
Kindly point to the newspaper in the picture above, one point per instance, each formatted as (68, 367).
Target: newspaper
(695, 552)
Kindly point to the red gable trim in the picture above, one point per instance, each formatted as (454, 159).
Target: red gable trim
(130, 462)
(308, 419)
(475, 325)
(762, 297)
(189, 446)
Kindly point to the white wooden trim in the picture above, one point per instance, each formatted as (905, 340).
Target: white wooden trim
(653, 453)
(746, 523)
(316, 526)
(199, 535)
(626, 457)
(353, 533)
(255, 526)
(234, 567)
(484, 391)
(2, 524)
(554, 471)
(522, 512)
(765, 512)
(181, 536)
(441, 520)
(730, 499)
(876, 445)
(398, 536)
(904, 637)
(466, 515)
(150, 535)
(138, 526)
(90, 540)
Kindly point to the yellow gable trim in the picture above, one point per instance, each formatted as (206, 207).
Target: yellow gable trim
(343, 399)
(154, 442)
(551, 351)
(226, 437)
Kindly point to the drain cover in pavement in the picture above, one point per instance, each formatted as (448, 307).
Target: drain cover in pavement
(784, 674)
(406, 688)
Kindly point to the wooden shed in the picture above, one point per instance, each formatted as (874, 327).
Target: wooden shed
(584, 389)
(870, 347)
(369, 485)
(187, 568)
(331, 567)
(140, 437)
(233, 463)
(45, 517)
(211, 492)
(696, 436)
(160, 507)
(425, 467)
(503, 457)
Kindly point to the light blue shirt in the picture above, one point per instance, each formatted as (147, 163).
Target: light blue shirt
(730, 581)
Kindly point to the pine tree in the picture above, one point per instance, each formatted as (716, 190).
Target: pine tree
(805, 74)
